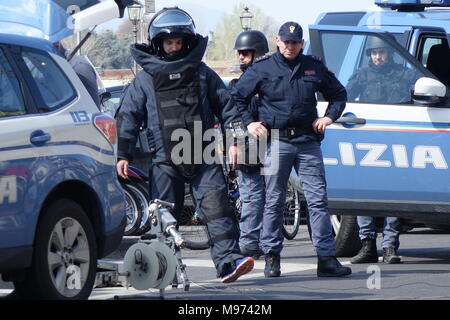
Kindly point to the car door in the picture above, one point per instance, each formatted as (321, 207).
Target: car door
(389, 155)
(21, 136)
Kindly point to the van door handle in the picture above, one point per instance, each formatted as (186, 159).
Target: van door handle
(39, 137)
(351, 120)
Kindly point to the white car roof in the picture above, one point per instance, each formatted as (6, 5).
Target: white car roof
(54, 20)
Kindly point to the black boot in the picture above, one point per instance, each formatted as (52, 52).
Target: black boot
(368, 252)
(272, 267)
(390, 256)
(331, 267)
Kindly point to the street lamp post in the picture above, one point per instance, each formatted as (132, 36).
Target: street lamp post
(135, 14)
(246, 19)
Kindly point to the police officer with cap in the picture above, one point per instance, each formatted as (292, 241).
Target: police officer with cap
(286, 84)
(176, 92)
(250, 45)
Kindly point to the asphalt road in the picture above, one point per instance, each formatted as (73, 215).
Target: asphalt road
(423, 274)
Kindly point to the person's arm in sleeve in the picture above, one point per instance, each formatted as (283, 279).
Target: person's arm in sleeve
(131, 114)
(335, 93)
(220, 99)
(243, 93)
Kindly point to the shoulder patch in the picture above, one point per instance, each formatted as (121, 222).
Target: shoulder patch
(262, 58)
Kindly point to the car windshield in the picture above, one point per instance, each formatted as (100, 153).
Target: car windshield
(46, 19)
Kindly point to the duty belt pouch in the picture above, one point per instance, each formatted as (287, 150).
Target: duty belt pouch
(146, 141)
(178, 103)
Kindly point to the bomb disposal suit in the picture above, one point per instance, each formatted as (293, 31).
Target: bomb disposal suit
(179, 92)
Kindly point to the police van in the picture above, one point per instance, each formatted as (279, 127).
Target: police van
(61, 205)
(391, 156)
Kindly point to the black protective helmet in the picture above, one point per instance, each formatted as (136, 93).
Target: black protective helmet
(375, 43)
(252, 40)
(171, 22)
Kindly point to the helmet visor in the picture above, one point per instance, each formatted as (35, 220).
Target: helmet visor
(172, 18)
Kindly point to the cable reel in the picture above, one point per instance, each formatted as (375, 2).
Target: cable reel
(150, 265)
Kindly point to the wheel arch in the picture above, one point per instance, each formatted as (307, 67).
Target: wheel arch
(83, 195)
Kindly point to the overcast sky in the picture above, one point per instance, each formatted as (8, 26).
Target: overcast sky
(207, 13)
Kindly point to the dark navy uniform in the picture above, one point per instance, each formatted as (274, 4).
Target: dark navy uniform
(252, 193)
(287, 91)
(288, 97)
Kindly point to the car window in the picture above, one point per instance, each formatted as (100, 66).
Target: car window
(370, 68)
(425, 50)
(53, 88)
(115, 98)
(434, 55)
(11, 100)
(110, 106)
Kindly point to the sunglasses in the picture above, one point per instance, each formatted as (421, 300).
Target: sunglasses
(245, 53)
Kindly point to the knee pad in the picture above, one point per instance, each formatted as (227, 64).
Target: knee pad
(215, 205)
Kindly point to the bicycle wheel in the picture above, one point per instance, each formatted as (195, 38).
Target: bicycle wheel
(193, 230)
(142, 194)
(292, 211)
(134, 208)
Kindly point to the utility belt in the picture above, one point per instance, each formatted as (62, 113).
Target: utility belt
(293, 132)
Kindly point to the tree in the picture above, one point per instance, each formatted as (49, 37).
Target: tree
(223, 37)
(106, 50)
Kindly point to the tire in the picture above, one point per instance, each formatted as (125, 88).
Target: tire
(142, 198)
(135, 205)
(193, 230)
(346, 235)
(295, 205)
(346, 232)
(65, 240)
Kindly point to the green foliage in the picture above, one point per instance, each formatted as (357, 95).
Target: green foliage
(106, 50)
(109, 50)
(223, 37)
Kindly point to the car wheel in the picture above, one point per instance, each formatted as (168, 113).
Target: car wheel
(137, 198)
(64, 261)
(346, 231)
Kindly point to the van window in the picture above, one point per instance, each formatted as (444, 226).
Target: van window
(434, 55)
(427, 44)
(11, 100)
(53, 88)
(370, 68)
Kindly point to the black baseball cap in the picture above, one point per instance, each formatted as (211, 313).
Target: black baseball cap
(291, 31)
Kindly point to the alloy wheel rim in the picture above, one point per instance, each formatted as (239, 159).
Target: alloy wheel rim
(68, 257)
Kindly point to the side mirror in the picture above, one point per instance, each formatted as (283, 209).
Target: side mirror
(429, 91)
(105, 96)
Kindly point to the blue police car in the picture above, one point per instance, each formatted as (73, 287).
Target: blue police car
(61, 205)
(389, 153)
